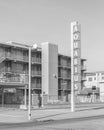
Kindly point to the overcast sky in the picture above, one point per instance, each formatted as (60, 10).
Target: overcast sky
(37, 21)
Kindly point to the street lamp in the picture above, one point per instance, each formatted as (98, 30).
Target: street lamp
(29, 104)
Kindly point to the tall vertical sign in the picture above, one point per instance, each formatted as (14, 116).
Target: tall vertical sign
(75, 61)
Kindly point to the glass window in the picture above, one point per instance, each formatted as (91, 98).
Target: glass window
(90, 79)
(94, 78)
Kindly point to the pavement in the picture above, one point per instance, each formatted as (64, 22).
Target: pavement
(12, 115)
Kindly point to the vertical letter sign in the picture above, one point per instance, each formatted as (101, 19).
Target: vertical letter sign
(75, 60)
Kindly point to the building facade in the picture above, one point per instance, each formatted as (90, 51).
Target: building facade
(96, 80)
(50, 73)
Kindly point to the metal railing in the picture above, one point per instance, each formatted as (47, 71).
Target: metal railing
(19, 58)
(14, 78)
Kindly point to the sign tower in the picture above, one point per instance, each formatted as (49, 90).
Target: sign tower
(75, 61)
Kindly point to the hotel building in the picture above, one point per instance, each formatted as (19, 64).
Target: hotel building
(50, 73)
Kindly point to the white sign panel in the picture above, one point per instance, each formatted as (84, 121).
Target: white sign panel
(76, 56)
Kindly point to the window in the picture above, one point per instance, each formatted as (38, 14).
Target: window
(94, 78)
(102, 78)
(90, 79)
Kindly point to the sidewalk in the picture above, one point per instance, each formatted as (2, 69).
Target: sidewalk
(21, 116)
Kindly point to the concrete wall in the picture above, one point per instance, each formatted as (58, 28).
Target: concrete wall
(50, 70)
(102, 92)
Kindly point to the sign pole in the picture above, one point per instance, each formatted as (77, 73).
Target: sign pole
(75, 62)
(72, 80)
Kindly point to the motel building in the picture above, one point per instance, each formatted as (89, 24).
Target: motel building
(50, 74)
(94, 86)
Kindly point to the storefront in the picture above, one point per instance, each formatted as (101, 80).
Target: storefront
(12, 94)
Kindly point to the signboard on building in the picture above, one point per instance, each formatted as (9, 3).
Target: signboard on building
(76, 55)
(10, 90)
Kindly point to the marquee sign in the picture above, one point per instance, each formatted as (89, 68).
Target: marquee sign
(75, 56)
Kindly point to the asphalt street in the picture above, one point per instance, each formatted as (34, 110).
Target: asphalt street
(54, 118)
(85, 123)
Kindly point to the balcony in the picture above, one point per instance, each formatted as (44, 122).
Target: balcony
(36, 86)
(65, 87)
(83, 67)
(64, 62)
(64, 76)
(83, 78)
(13, 79)
(13, 57)
(36, 60)
(8, 70)
(20, 58)
(36, 73)
(64, 66)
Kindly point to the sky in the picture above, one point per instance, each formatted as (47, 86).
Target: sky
(37, 21)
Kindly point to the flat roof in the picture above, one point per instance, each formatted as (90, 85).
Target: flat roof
(18, 45)
(26, 46)
(94, 73)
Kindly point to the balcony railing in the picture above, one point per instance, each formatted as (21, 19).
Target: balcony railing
(83, 67)
(11, 80)
(64, 76)
(36, 73)
(19, 58)
(64, 66)
(36, 85)
(5, 78)
(36, 60)
(64, 87)
(83, 77)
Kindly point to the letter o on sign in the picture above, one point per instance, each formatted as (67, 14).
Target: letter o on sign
(75, 36)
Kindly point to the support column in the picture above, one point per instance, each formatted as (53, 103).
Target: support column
(50, 71)
(2, 97)
(25, 96)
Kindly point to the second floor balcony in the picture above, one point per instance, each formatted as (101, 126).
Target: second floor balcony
(36, 73)
(36, 86)
(20, 58)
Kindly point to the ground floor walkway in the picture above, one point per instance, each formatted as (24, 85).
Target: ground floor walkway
(14, 115)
